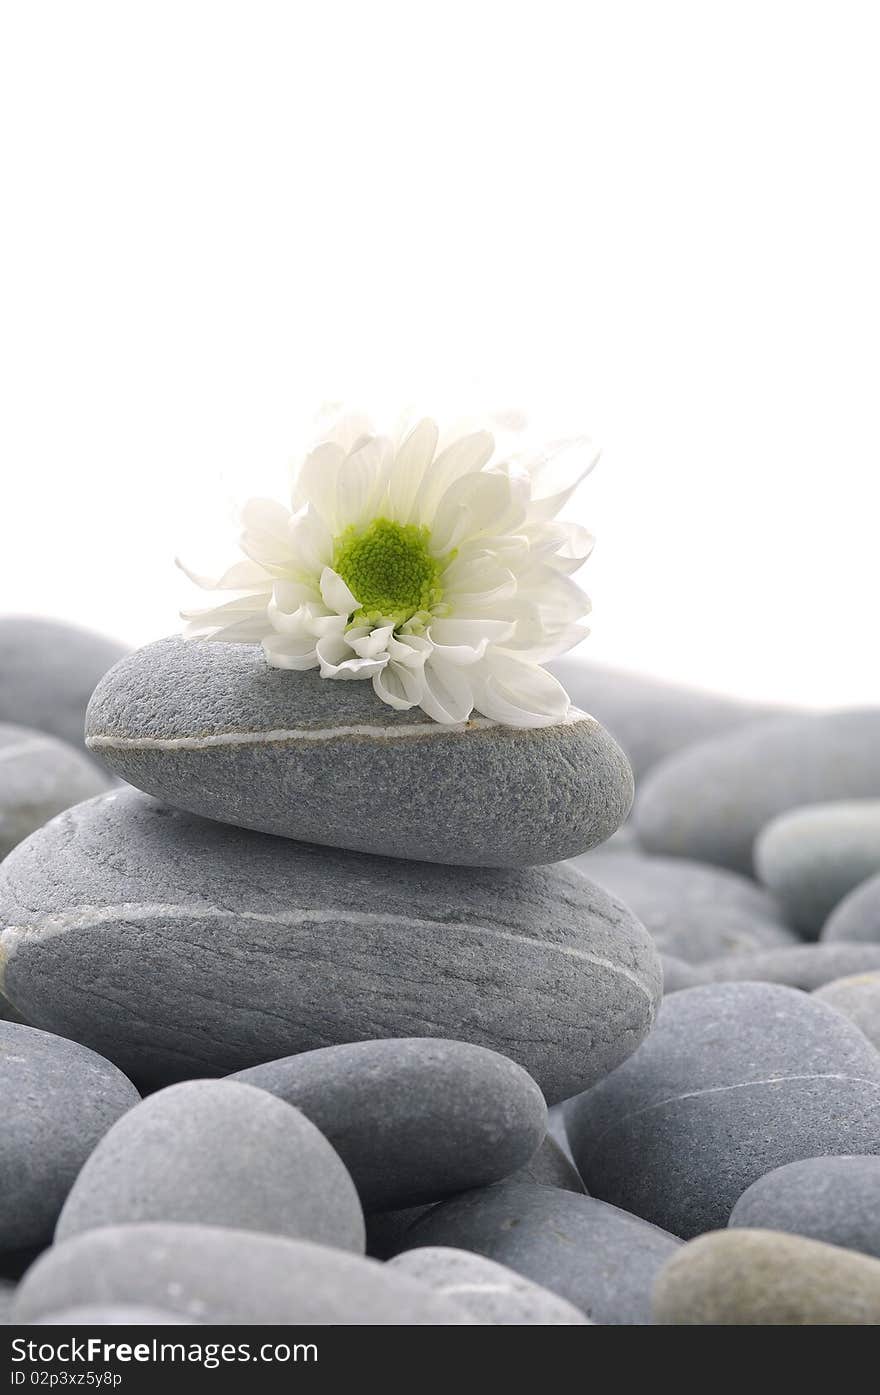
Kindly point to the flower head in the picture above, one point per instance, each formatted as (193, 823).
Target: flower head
(429, 567)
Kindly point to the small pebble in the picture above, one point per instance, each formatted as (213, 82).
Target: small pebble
(40, 776)
(858, 998)
(811, 858)
(835, 1199)
(491, 1293)
(800, 966)
(857, 916)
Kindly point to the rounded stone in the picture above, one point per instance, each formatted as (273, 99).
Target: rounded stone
(858, 998)
(181, 947)
(812, 857)
(214, 1152)
(835, 1199)
(800, 966)
(651, 718)
(692, 911)
(48, 670)
(413, 1119)
(493, 1294)
(677, 974)
(108, 1315)
(736, 1079)
(595, 1256)
(711, 801)
(212, 729)
(857, 917)
(40, 776)
(219, 1276)
(761, 1278)
(57, 1099)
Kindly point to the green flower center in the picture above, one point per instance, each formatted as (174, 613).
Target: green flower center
(388, 567)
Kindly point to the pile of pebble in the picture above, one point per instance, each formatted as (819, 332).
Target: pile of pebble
(290, 980)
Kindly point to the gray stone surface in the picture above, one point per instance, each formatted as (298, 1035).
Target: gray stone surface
(677, 974)
(7, 1012)
(57, 1099)
(48, 670)
(835, 1199)
(599, 1258)
(799, 966)
(386, 1230)
(39, 776)
(550, 1167)
(811, 858)
(211, 728)
(736, 1079)
(692, 911)
(7, 1293)
(109, 1315)
(857, 917)
(858, 998)
(711, 801)
(221, 1276)
(760, 1278)
(651, 718)
(492, 1293)
(182, 947)
(414, 1119)
(215, 1152)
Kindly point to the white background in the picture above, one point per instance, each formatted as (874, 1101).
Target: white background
(656, 222)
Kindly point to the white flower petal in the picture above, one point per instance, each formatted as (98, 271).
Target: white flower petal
(519, 694)
(408, 469)
(335, 657)
(311, 544)
(563, 546)
(266, 534)
(465, 456)
(400, 687)
(471, 506)
(316, 482)
(336, 594)
(241, 576)
(466, 641)
(556, 474)
(410, 650)
(448, 696)
(361, 482)
(290, 651)
(372, 644)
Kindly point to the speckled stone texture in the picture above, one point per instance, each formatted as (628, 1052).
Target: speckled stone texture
(710, 802)
(215, 1152)
(398, 784)
(857, 917)
(736, 1079)
(650, 718)
(414, 1119)
(491, 1292)
(858, 998)
(48, 670)
(107, 1315)
(760, 1278)
(800, 966)
(596, 1256)
(811, 858)
(692, 911)
(39, 776)
(226, 1276)
(57, 1099)
(832, 1199)
(180, 947)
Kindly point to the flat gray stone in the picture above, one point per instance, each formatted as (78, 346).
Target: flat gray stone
(550, 1167)
(692, 911)
(39, 776)
(181, 947)
(597, 1257)
(215, 1152)
(736, 1079)
(800, 966)
(57, 1099)
(858, 998)
(211, 728)
(48, 670)
(413, 1119)
(812, 857)
(834, 1199)
(108, 1315)
(218, 1276)
(651, 718)
(492, 1293)
(711, 801)
(857, 917)
(760, 1278)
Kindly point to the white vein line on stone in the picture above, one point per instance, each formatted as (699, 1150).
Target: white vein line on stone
(722, 1089)
(90, 917)
(22, 748)
(256, 738)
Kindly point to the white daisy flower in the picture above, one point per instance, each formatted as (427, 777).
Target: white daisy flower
(434, 570)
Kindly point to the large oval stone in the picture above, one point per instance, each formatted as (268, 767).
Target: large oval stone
(181, 947)
(211, 728)
(736, 1079)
